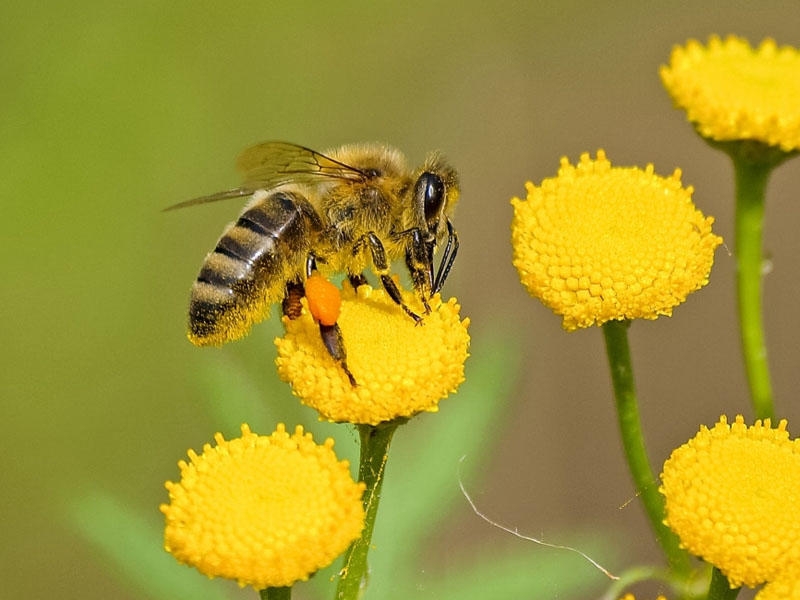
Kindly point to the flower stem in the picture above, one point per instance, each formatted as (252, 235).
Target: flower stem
(276, 593)
(619, 359)
(375, 442)
(720, 588)
(751, 183)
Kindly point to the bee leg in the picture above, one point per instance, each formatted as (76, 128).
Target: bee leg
(324, 307)
(382, 266)
(419, 260)
(332, 338)
(394, 293)
(291, 306)
(311, 264)
(357, 280)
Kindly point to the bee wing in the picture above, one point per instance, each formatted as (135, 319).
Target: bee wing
(270, 164)
(234, 193)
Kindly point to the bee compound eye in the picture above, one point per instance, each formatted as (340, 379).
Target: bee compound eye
(430, 188)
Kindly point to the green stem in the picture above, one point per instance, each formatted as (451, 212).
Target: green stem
(720, 588)
(619, 359)
(375, 442)
(276, 593)
(751, 184)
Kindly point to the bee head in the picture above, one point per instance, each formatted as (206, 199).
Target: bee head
(435, 195)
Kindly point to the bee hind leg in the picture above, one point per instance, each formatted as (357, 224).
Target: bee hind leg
(331, 334)
(332, 339)
(291, 306)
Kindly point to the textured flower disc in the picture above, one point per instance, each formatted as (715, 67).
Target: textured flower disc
(731, 91)
(598, 243)
(265, 511)
(733, 497)
(400, 368)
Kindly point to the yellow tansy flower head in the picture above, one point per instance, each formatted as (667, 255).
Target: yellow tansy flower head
(600, 243)
(266, 511)
(733, 497)
(731, 91)
(400, 368)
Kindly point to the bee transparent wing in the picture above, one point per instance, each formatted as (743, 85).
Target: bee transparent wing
(271, 164)
(234, 193)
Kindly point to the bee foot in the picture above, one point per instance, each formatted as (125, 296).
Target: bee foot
(347, 372)
(334, 344)
(412, 314)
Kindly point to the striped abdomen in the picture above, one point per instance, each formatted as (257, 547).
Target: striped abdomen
(248, 269)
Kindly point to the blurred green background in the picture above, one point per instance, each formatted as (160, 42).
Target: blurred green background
(111, 112)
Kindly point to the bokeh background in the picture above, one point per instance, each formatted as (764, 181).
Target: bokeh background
(110, 112)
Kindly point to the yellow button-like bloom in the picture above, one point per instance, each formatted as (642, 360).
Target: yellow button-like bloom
(266, 511)
(731, 91)
(400, 368)
(733, 497)
(598, 243)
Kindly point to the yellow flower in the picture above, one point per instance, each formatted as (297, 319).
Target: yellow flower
(732, 496)
(788, 589)
(731, 91)
(400, 368)
(598, 243)
(264, 510)
(630, 596)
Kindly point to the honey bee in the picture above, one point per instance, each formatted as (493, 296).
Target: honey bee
(353, 207)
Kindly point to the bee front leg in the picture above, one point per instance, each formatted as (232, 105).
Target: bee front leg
(419, 260)
(382, 267)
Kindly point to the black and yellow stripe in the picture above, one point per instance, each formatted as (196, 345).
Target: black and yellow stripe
(249, 267)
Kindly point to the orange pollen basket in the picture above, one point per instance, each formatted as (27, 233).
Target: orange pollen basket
(324, 299)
